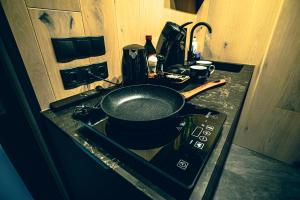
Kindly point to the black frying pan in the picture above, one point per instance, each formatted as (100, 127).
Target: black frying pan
(145, 106)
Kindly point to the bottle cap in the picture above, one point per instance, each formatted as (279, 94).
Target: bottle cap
(148, 37)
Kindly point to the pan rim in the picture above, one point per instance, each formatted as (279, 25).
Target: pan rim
(142, 121)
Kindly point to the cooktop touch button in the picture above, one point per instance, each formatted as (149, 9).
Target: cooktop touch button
(210, 128)
(182, 164)
(206, 132)
(203, 138)
(199, 145)
(197, 132)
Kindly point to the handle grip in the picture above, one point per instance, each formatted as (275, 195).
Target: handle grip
(201, 88)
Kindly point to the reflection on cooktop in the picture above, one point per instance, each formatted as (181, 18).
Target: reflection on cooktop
(140, 139)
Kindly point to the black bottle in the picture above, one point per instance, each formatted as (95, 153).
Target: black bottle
(149, 48)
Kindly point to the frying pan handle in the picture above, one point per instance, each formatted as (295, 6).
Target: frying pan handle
(211, 84)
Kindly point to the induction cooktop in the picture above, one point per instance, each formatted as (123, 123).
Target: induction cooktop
(171, 156)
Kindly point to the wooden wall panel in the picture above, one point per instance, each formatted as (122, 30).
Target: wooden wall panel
(129, 22)
(99, 19)
(154, 15)
(54, 23)
(272, 124)
(240, 29)
(71, 5)
(201, 33)
(22, 30)
(139, 18)
(290, 96)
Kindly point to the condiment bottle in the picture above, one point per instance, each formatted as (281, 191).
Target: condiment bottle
(150, 50)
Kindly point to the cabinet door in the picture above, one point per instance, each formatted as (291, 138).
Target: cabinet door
(271, 125)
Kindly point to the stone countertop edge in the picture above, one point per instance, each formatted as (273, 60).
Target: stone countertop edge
(216, 172)
(228, 99)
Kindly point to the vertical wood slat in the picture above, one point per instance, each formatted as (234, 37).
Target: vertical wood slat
(240, 29)
(99, 18)
(201, 34)
(54, 23)
(143, 17)
(272, 125)
(22, 29)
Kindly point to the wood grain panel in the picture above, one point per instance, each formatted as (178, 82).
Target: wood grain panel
(52, 23)
(22, 29)
(137, 19)
(269, 128)
(99, 19)
(202, 33)
(129, 22)
(154, 16)
(71, 5)
(290, 97)
(240, 29)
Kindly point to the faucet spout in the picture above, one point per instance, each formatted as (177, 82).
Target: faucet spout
(192, 35)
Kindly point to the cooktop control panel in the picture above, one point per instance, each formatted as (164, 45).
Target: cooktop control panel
(185, 157)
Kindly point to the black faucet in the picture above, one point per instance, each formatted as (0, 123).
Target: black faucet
(190, 51)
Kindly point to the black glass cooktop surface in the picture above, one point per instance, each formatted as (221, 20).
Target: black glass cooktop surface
(170, 156)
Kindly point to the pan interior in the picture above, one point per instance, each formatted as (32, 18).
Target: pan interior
(142, 103)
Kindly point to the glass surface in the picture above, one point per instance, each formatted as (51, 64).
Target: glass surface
(172, 156)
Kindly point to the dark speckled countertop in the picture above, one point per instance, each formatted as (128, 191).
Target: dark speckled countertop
(227, 99)
(250, 175)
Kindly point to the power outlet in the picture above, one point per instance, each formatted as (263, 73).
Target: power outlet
(71, 78)
(86, 72)
(100, 70)
(94, 72)
(83, 75)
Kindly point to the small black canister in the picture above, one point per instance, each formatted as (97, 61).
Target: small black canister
(134, 65)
